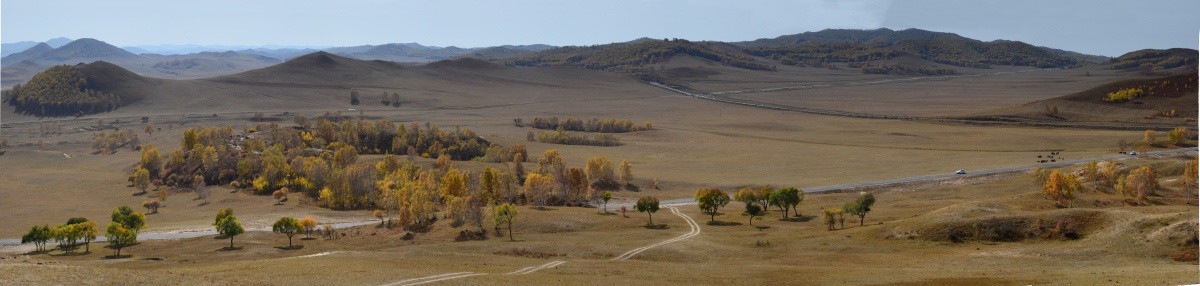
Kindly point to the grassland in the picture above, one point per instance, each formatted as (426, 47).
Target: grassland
(694, 143)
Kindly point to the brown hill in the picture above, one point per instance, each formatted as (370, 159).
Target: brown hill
(1168, 101)
(1153, 59)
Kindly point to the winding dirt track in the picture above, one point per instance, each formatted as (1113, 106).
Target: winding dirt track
(695, 230)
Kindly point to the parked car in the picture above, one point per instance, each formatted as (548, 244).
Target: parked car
(1133, 153)
(961, 172)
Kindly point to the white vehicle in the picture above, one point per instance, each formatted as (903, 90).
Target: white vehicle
(961, 172)
(1133, 153)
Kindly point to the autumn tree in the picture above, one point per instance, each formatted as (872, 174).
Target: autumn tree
(229, 226)
(709, 200)
(606, 196)
(578, 184)
(379, 215)
(1061, 187)
(829, 217)
(280, 195)
(1109, 172)
(287, 226)
(309, 225)
(599, 169)
(489, 185)
(151, 206)
(200, 188)
(626, 174)
(151, 161)
(443, 163)
(88, 230)
(505, 214)
(648, 205)
(1177, 135)
(537, 188)
(552, 164)
(862, 206)
(1091, 172)
(1141, 183)
(141, 179)
(453, 184)
(124, 228)
(518, 167)
(1190, 175)
(1149, 138)
(301, 121)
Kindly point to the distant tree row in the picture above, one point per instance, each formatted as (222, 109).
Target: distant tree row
(121, 232)
(638, 56)
(106, 143)
(1125, 95)
(59, 91)
(575, 124)
(957, 52)
(906, 70)
(562, 137)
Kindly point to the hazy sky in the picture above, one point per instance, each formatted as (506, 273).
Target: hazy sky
(1102, 27)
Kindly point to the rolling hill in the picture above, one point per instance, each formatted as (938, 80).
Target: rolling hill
(1155, 59)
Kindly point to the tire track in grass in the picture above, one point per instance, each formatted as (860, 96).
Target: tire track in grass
(691, 223)
(433, 278)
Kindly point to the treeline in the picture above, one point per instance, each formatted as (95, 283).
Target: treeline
(59, 91)
(637, 57)
(590, 125)
(563, 137)
(957, 52)
(906, 70)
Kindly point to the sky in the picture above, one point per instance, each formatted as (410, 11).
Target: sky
(1103, 27)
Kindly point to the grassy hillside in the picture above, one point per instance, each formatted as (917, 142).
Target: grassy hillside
(638, 56)
(958, 51)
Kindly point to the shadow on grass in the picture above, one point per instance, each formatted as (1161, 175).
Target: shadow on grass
(72, 253)
(803, 218)
(308, 238)
(761, 227)
(35, 252)
(230, 248)
(605, 213)
(544, 208)
(118, 256)
(656, 226)
(723, 223)
(293, 247)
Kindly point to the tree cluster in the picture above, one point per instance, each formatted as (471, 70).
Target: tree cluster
(107, 143)
(59, 91)
(591, 125)
(566, 138)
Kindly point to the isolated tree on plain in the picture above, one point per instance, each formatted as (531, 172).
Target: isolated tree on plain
(709, 200)
(222, 214)
(162, 196)
(606, 196)
(626, 173)
(862, 206)
(353, 97)
(1149, 138)
(395, 99)
(309, 225)
(754, 210)
(378, 214)
(648, 205)
(505, 214)
(141, 179)
(230, 227)
(287, 226)
(151, 206)
(150, 130)
(1141, 183)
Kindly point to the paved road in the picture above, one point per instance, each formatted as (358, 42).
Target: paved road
(948, 175)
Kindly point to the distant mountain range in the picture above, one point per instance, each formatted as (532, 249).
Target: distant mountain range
(847, 48)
